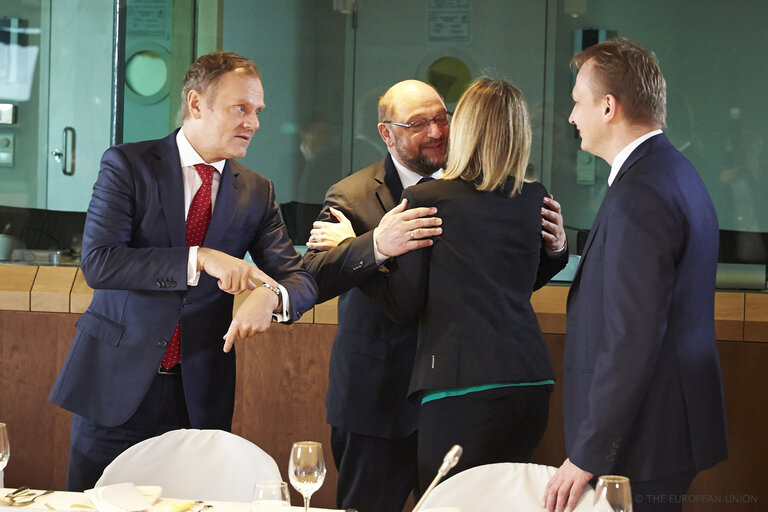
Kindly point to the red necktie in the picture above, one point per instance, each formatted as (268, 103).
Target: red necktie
(198, 219)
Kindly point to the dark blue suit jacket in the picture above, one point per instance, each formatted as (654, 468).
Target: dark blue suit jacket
(642, 386)
(135, 258)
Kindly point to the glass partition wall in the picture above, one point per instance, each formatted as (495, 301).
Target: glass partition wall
(325, 63)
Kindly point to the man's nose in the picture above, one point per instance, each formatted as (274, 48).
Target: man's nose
(252, 121)
(433, 129)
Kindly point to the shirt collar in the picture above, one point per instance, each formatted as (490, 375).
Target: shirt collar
(189, 156)
(624, 154)
(408, 177)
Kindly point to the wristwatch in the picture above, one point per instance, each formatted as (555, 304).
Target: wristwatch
(277, 292)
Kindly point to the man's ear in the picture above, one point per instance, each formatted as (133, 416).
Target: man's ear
(386, 135)
(194, 103)
(610, 106)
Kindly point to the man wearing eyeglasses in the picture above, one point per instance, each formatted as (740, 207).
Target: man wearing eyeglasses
(373, 434)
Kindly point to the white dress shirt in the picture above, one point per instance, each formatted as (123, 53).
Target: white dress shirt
(188, 158)
(624, 154)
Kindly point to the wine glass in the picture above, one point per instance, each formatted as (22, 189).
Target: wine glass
(5, 447)
(306, 468)
(269, 496)
(613, 493)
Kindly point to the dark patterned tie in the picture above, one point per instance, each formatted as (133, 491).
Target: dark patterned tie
(198, 219)
(425, 179)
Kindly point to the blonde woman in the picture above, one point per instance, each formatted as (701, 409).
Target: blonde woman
(482, 373)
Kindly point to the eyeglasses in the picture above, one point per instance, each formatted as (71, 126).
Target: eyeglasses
(420, 125)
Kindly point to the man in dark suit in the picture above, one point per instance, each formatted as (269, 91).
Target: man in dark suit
(373, 432)
(642, 386)
(147, 357)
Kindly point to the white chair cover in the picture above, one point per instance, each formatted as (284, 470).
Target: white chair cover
(210, 465)
(500, 488)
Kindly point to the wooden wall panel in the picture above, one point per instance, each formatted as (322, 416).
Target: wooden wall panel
(743, 474)
(327, 312)
(81, 295)
(282, 377)
(729, 316)
(756, 317)
(15, 286)
(52, 288)
(32, 349)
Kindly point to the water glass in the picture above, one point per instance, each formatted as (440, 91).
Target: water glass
(613, 493)
(306, 468)
(270, 496)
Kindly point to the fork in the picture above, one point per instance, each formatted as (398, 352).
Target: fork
(21, 490)
(28, 500)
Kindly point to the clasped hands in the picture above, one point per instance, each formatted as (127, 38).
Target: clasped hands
(401, 230)
(235, 276)
(398, 232)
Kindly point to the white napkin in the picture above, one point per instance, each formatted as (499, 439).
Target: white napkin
(125, 497)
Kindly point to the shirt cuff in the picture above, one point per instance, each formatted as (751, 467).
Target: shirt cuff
(380, 258)
(193, 275)
(285, 315)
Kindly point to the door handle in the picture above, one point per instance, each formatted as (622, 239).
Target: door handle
(66, 156)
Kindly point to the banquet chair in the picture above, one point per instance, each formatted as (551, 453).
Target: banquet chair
(499, 487)
(210, 465)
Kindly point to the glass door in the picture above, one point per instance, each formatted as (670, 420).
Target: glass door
(447, 44)
(79, 97)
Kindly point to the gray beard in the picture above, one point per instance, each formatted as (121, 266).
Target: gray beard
(421, 165)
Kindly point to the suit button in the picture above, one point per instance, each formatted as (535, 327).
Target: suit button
(162, 343)
(158, 284)
(173, 284)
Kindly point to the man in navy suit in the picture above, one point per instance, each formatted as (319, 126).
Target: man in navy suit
(166, 230)
(641, 377)
(373, 425)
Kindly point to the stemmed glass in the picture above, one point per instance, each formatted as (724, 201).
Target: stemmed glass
(270, 495)
(5, 447)
(613, 493)
(306, 468)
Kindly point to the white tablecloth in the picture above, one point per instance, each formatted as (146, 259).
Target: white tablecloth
(78, 502)
(499, 488)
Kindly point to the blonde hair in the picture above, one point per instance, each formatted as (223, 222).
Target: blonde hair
(490, 136)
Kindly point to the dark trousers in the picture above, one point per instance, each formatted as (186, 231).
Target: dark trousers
(375, 474)
(497, 425)
(94, 446)
(665, 494)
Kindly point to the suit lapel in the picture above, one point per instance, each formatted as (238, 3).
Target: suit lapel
(170, 182)
(390, 188)
(226, 204)
(649, 146)
(592, 232)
